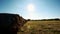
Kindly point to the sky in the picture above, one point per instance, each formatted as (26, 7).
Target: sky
(32, 9)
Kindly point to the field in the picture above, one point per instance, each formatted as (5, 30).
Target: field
(41, 27)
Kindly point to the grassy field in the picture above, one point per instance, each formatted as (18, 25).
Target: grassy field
(41, 27)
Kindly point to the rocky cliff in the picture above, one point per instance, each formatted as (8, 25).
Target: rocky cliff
(10, 23)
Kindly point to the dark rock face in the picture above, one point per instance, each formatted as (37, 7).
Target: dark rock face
(10, 23)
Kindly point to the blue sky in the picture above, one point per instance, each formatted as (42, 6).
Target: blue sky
(43, 9)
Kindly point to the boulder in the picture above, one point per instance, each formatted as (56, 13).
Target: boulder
(10, 23)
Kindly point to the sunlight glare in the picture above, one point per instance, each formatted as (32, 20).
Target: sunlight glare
(30, 7)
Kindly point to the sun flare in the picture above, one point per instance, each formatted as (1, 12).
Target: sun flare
(30, 7)
(31, 10)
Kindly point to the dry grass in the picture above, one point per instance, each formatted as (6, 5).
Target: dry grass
(41, 27)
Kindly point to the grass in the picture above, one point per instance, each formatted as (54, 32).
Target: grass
(41, 27)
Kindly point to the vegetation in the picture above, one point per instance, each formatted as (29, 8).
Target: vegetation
(41, 27)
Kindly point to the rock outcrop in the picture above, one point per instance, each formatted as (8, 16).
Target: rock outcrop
(10, 23)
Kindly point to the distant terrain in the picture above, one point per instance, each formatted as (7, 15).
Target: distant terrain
(45, 26)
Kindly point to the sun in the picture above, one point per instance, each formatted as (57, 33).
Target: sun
(30, 7)
(31, 10)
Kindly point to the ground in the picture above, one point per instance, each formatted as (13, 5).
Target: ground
(41, 27)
